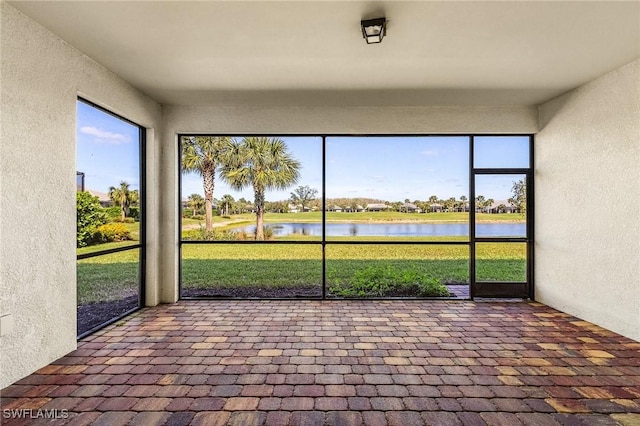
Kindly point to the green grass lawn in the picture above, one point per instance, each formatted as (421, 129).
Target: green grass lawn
(109, 277)
(210, 266)
(230, 265)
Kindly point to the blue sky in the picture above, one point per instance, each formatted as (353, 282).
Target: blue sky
(107, 150)
(387, 168)
(391, 168)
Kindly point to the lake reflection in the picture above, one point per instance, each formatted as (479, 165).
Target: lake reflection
(394, 229)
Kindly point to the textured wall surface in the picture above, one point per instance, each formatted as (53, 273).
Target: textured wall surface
(41, 77)
(588, 203)
(309, 120)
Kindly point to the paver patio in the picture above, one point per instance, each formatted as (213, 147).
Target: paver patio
(341, 363)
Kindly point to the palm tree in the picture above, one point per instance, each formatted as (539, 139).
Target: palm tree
(242, 205)
(262, 163)
(195, 203)
(488, 205)
(450, 204)
(226, 202)
(201, 155)
(123, 197)
(463, 202)
(480, 203)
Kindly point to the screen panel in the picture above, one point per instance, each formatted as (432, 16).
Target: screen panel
(501, 152)
(251, 270)
(416, 270)
(108, 287)
(109, 201)
(226, 181)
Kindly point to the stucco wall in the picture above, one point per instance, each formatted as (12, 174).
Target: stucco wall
(41, 77)
(311, 120)
(588, 203)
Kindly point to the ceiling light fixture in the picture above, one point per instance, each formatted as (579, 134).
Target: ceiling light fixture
(374, 30)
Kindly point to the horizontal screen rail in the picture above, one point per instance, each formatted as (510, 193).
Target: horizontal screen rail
(501, 240)
(317, 242)
(331, 242)
(109, 251)
(327, 298)
(501, 171)
(433, 243)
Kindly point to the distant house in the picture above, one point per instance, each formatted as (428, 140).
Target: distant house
(377, 207)
(103, 197)
(334, 209)
(351, 209)
(463, 207)
(296, 208)
(501, 206)
(435, 207)
(410, 208)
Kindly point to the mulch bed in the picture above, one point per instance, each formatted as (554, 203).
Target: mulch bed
(95, 314)
(275, 293)
(256, 292)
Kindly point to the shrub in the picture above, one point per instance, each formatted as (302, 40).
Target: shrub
(89, 216)
(244, 235)
(201, 234)
(381, 281)
(268, 233)
(134, 213)
(114, 212)
(111, 232)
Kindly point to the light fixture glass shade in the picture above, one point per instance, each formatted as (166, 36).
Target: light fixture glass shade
(373, 30)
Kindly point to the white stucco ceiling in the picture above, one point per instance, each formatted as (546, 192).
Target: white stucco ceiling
(304, 53)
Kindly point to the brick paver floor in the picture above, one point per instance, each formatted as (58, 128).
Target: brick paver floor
(340, 363)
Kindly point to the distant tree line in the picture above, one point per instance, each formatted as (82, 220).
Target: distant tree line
(304, 198)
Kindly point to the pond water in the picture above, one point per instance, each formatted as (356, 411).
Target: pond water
(393, 229)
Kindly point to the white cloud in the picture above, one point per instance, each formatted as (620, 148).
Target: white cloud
(104, 135)
(429, 153)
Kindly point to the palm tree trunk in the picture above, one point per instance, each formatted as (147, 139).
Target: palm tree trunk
(122, 213)
(259, 196)
(208, 185)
